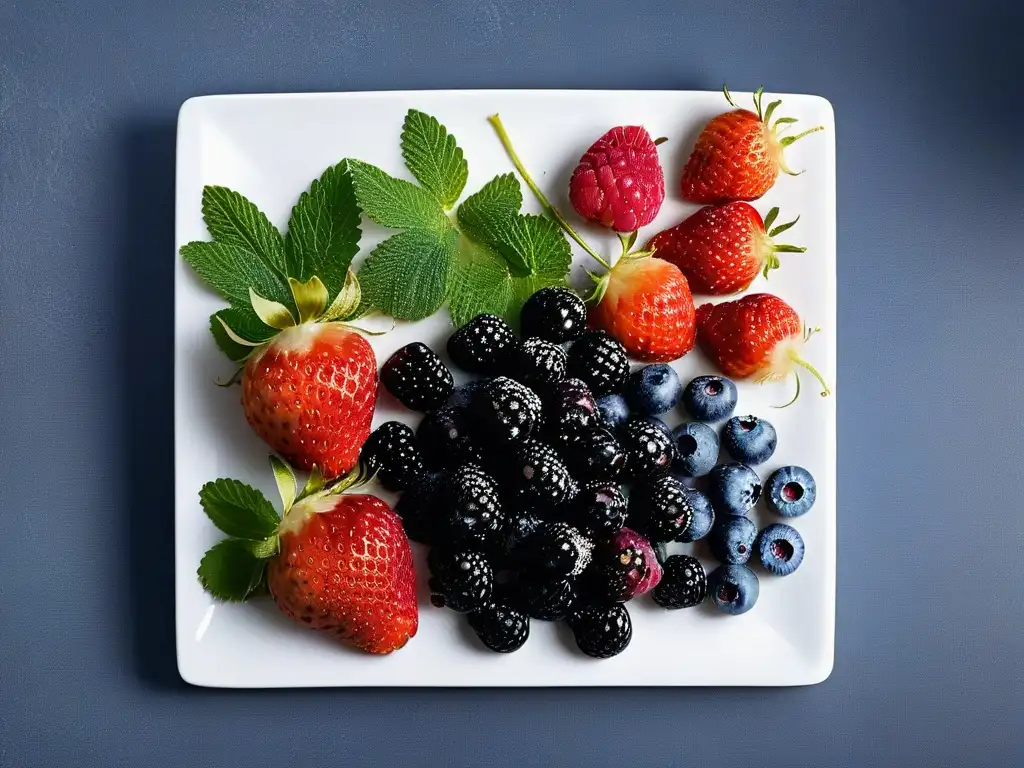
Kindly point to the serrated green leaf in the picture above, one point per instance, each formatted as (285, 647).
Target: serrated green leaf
(407, 275)
(395, 203)
(481, 282)
(538, 243)
(488, 215)
(234, 220)
(230, 570)
(323, 232)
(433, 157)
(231, 270)
(238, 509)
(245, 324)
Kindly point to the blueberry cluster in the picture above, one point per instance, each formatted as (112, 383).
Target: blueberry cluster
(546, 486)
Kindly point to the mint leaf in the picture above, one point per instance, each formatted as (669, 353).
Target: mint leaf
(238, 509)
(433, 157)
(230, 570)
(234, 220)
(323, 232)
(392, 202)
(481, 282)
(407, 275)
(231, 270)
(487, 215)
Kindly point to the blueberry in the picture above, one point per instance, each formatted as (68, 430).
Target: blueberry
(749, 439)
(653, 389)
(710, 398)
(702, 516)
(791, 491)
(614, 411)
(781, 548)
(732, 539)
(696, 449)
(733, 488)
(734, 588)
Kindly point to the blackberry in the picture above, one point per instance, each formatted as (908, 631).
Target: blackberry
(483, 345)
(536, 475)
(417, 377)
(570, 406)
(556, 550)
(547, 599)
(602, 631)
(683, 584)
(501, 628)
(506, 410)
(424, 506)
(593, 454)
(539, 363)
(660, 508)
(464, 395)
(391, 451)
(554, 314)
(462, 580)
(598, 509)
(649, 448)
(615, 574)
(600, 361)
(521, 526)
(475, 511)
(444, 441)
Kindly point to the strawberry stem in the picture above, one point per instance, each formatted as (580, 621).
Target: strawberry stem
(553, 212)
(825, 391)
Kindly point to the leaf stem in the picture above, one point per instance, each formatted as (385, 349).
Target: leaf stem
(553, 212)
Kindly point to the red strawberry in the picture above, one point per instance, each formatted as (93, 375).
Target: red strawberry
(647, 307)
(738, 155)
(345, 567)
(757, 336)
(619, 182)
(310, 394)
(721, 249)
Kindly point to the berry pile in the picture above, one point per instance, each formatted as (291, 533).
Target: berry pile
(548, 488)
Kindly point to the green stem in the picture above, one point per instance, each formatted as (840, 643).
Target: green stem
(553, 212)
(825, 391)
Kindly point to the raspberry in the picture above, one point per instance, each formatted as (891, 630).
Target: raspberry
(619, 182)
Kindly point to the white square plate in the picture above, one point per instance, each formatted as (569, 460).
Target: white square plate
(269, 148)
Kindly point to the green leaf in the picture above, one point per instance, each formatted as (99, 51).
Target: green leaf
(231, 270)
(234, 220)
(314, 483)
(538, 243)
(347, 301)
(310, 297)
(285, 479)
(488, 215)
(238, 509)
(481, 282)
(272, 313)
(395, 203)
(230, 570)
(407, 275)
(245, 324)
(433, 157)
(263, 549)
(323, 232)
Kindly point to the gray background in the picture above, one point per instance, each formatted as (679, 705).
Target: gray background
(929, 112)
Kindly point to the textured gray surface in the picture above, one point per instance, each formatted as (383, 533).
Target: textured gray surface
(928, 653)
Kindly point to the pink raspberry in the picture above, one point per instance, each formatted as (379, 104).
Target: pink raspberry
(619, 182)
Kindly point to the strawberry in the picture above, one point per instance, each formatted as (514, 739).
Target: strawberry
(345, 567)
(647, 307)
(721, 249)
(757, 336)
(310, 394)
(739, 154)
(619, 182)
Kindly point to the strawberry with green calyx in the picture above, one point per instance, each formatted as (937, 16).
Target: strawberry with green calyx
(309, 382)
(738, 154)
(758, 336)
(642, 301)
(721, 249)
(336, 562)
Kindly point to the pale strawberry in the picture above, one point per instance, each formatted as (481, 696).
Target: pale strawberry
(345, 568)
(647, 307)
(758, 336)
(738, 154)
(721, 249)
(310, 394)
